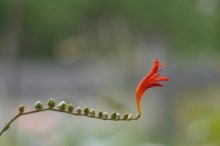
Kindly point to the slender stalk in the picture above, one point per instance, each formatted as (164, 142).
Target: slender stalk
(7, 126)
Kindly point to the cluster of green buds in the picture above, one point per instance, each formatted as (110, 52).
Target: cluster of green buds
(68, 108)
(65, 107)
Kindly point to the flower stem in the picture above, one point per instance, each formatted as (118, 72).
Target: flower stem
(7, 126)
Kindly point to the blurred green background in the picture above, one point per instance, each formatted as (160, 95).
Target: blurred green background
(94, 53)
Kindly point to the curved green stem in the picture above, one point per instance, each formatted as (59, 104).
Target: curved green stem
(7, 126)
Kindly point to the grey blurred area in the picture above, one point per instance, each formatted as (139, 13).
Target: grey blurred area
(94, 53)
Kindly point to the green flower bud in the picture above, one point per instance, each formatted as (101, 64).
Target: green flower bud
(117, 116)
(78, 110)
(100, 114)
(86, 110)
(105, 116)
(92, 113)
(38, 105)
(21, 109)
(51, 103)
(113, 116)
(125, 116)
(138, 116)
(130, 117)
(70, 107)
(62, 105)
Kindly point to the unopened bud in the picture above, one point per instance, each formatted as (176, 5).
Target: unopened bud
(92, 113)
(113, 116)
(117, 116)
(125, 116)
(86, 110)
(78, 110)
(62, 105)
(21, 109)
(100, 114)
(105, 116)
(38, 105)
(51, 103)
(70, 107)
(130, 117)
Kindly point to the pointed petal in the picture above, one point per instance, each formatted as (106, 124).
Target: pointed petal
(155, 85)
(162, 79)
(155, 66)
(153, 69)
(162, 65)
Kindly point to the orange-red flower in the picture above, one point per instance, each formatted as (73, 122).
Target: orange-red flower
(152, 79)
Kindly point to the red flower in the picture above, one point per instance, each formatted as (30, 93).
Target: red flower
(152, 79)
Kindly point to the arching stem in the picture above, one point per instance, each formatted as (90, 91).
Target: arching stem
(7, 126)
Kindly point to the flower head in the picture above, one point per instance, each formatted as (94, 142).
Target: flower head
(152, 79)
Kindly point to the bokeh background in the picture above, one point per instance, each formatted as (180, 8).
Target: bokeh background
(94, 53)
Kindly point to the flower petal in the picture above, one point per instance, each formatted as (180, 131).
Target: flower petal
(153, 69)
(162, 79)
(152, 79)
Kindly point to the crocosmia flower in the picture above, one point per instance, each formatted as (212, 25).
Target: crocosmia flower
(152, 79)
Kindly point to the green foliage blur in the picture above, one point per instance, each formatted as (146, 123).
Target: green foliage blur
(186, 26)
